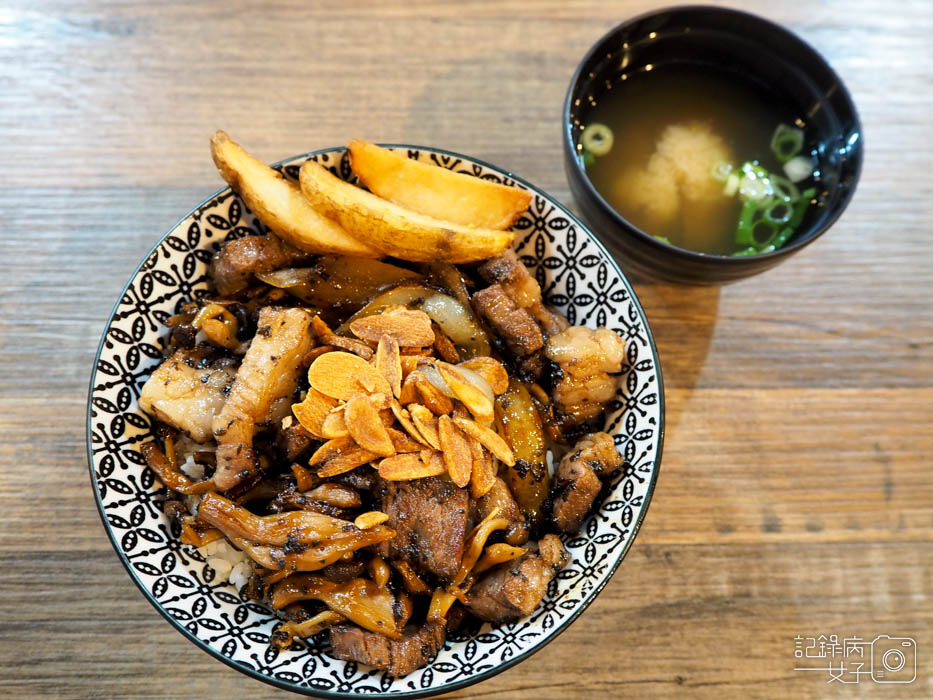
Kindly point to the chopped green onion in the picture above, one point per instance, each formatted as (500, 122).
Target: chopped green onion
(779, 213)
(784, 188)
(793, 222)
(763, 232)
(754, 189)
(786, 142)
(745, 234)
(755, 182)
(664, 239)
(588, 159)
(798, 168)
(782, 237)
(721, 171)
(767, 223)
(800, 208)
(751, 250)
(597, 139)
(732, 185)
(754, 169)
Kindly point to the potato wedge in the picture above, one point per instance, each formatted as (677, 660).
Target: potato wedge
(436, 191)
(395, 230)
(279, 204)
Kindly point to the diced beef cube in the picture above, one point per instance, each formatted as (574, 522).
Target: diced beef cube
(550, 319)
(577, 479)
(515, 589)
(233, 266)
(514, 325)
(510, 273)
(416, 647)
(430, 518)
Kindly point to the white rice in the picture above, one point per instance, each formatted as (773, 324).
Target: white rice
(185, 449)
(193, 502)
(228, 563)
(192, 469)
(240, 574)
(555, 454)
(185, 446)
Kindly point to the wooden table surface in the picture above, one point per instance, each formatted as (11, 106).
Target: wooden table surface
(795, 496)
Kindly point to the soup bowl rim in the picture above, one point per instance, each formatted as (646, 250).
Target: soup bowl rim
(798, 241)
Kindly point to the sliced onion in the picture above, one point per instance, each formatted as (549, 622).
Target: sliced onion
(457, 321)
(479, 382)
(432, 375)
(283, 279)
(798, 168)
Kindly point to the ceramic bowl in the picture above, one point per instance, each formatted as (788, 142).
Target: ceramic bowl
(755, 51)
(575, 273)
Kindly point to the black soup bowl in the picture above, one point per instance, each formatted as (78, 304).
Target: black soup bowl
(763, 55)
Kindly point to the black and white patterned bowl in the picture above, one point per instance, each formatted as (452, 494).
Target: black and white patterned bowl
(576, 274)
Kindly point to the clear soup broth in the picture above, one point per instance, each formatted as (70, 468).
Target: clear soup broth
(670, 127)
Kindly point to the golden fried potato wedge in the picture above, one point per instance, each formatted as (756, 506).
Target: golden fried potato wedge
(279, 203)
(393, 229)
(436, 191)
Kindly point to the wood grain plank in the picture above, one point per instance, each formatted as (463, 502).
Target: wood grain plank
(701, 620)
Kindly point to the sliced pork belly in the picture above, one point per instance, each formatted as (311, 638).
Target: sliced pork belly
(586, 358)
(187, 391)
(262, 392)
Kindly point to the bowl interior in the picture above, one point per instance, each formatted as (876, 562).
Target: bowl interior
(760, 54)
(575, 273)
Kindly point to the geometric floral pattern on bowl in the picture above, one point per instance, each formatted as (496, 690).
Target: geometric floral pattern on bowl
(576, 275)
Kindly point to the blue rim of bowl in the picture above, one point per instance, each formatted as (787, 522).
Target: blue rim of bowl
(800, 242)
(427, 692)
